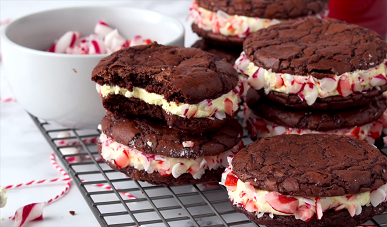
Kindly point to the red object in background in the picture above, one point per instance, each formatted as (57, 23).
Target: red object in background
(367, 13)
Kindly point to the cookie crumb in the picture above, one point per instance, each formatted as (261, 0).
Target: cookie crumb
(75, 70)
(179, 213)
(72, 212)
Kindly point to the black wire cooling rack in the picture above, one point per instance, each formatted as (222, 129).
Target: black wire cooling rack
(192, 205)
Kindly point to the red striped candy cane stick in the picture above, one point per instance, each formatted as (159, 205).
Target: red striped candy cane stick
(55, 165)
(53, 162)
(106, 186)
(35, 182)
(58, 196)
(67, 188)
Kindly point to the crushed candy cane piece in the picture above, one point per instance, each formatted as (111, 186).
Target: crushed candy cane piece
(188, 144)
(30, 212)
(377, 196)
(102, 28)
(105, 41)
(179, 169)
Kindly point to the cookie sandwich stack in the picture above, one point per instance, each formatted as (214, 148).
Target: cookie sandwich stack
(308, 180)
(170, 113)
(224, 25)
(315, 76)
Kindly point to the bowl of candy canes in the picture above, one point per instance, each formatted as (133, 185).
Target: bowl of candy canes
(48, 56)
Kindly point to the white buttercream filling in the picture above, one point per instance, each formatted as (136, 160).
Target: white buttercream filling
(309, 88)
(245, 193)
(207, 108)
(114, 151)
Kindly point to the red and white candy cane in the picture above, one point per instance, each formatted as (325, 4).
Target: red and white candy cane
(55, 165)
(34, 211)
(74, 150)
(35, 182)
(106, 186)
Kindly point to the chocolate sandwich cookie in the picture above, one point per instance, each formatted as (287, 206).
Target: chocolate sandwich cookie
(308, 180)
(318, 120)
(268, 118)
(229, 22)
(313, 63)
(228, 53)
(148, 150)
(188, 88)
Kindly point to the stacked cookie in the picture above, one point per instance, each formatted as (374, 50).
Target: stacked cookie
(308, 180)
(170, 113)
(224, 25)
(315, 76)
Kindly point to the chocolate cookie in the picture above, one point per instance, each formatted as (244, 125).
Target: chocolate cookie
(316, 47)
(279, 9)
(308, 180)
(148, 150)
(307, 61)
(179, 85)
(311, 165)
(140, 132)
(228, 53)
(317, 120)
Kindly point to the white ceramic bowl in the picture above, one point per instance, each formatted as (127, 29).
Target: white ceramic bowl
(58, 87)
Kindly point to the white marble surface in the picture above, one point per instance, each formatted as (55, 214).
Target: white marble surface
(25, 154)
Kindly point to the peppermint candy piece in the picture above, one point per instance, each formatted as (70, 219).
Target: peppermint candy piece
(30, 212)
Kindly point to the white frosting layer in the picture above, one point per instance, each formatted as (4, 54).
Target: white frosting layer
(243, 194)
(227, 103)
(262, 128)
(228, 25)
(309, 88)
(123, 156)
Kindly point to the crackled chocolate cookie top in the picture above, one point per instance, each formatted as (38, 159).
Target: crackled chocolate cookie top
(154, 137)
(312, 119)
(279, 9)
(228, 53)
(315, 47)
(182, 75)
(311, 165)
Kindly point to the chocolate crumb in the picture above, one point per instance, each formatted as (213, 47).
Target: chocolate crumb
(75, 70)
(72, 212)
